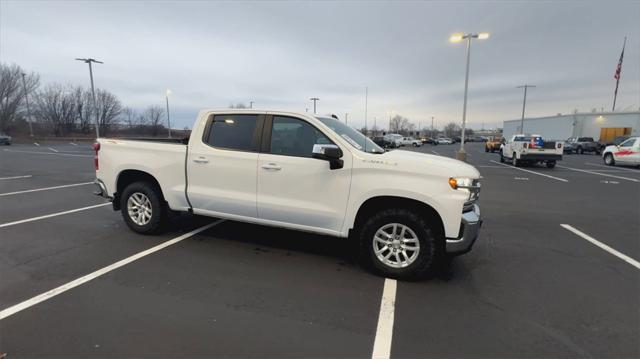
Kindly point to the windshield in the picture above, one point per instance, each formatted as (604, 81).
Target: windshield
(351, 135)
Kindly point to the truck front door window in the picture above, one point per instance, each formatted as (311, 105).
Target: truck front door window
(294, 137)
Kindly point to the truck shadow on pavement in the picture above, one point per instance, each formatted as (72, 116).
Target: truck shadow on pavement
(265, 240)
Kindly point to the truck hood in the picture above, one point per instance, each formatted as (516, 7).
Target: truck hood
(422, 162)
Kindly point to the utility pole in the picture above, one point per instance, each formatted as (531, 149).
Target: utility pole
(168, 117)
(93, 91)
(26, 98)
(346, 118)
(250, 104)
(524, 104)
(314, 99)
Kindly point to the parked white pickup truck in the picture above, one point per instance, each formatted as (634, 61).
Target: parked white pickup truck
(408, 210)
(522, 149)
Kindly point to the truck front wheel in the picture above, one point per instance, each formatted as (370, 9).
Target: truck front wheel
(143, 207)
(398, 243)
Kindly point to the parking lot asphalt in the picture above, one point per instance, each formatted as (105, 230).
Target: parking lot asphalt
(529, 288)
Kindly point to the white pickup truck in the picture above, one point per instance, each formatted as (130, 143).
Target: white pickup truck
(408, 210)
(521, 149)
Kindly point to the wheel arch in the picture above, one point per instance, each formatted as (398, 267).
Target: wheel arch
(130, 176)
(374, 204)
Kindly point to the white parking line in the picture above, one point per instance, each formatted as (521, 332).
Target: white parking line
(384, 331)
(535, 173)
(8, 224)
(37, 144)
(100, 272)
(48, 153)
(435, 152)
(45, 189)
(597, 243)
(73, 144)
(15, 177)
(52, 149)
(600, 174)
(616, 168)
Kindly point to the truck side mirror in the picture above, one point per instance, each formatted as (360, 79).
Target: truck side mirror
(331, 153)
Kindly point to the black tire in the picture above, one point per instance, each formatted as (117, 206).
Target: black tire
(579, 151)
(415, 145)
(158, 207)
(501, 157)
(486, 149)
(551, 164)
(609, 160)
(514, 161)
(431, 246)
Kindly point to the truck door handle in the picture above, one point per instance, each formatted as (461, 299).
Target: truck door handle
(271, 167)
(200, 160)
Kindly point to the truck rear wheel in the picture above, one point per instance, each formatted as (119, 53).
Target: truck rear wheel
(514, 160)
(551, 164)
(143, 207)
(398, 243)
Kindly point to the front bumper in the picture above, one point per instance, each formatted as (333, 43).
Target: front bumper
(469, 231)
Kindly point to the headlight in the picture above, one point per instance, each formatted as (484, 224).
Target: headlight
(472, 186)
(456, 183)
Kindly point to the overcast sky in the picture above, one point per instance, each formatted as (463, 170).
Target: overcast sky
(279, 54)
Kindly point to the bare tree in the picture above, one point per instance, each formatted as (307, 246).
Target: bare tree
(130, 117)
(153, 117)
(108, 110)
(84, 109)
(56, 106)
(12, 94)
(401, 125)
(452, 129)
(238, 105)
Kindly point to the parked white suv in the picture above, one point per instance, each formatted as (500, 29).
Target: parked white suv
(407, 210)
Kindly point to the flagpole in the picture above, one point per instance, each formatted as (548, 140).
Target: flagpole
(617, 75)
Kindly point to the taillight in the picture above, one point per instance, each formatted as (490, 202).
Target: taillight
(526, 145)
(96, 148)
(559, 145)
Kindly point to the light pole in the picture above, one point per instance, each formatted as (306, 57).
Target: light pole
(314, 99)
(346, 118)
(26, 98)
(93, 91)
(250, 104)
(168, 117)
(524, 103)
(462, 155)
(366, 107)
(432, 117)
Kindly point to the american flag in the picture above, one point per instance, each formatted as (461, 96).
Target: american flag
(617, 74)
(619, 68)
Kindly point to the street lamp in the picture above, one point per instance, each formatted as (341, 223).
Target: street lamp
(346, 118)
(524, 103)
(26, 98)
(93, 91)
(314, 99)
(462, 155)
(251, 104)
(167, 93)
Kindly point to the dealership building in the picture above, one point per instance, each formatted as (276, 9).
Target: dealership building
(602, 126)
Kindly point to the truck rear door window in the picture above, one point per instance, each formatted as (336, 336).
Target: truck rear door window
(234, 132)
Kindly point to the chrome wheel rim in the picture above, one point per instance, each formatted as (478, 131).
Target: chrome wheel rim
(139, 208)
(396, 245)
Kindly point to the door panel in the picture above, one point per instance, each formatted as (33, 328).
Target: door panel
(295, 188)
